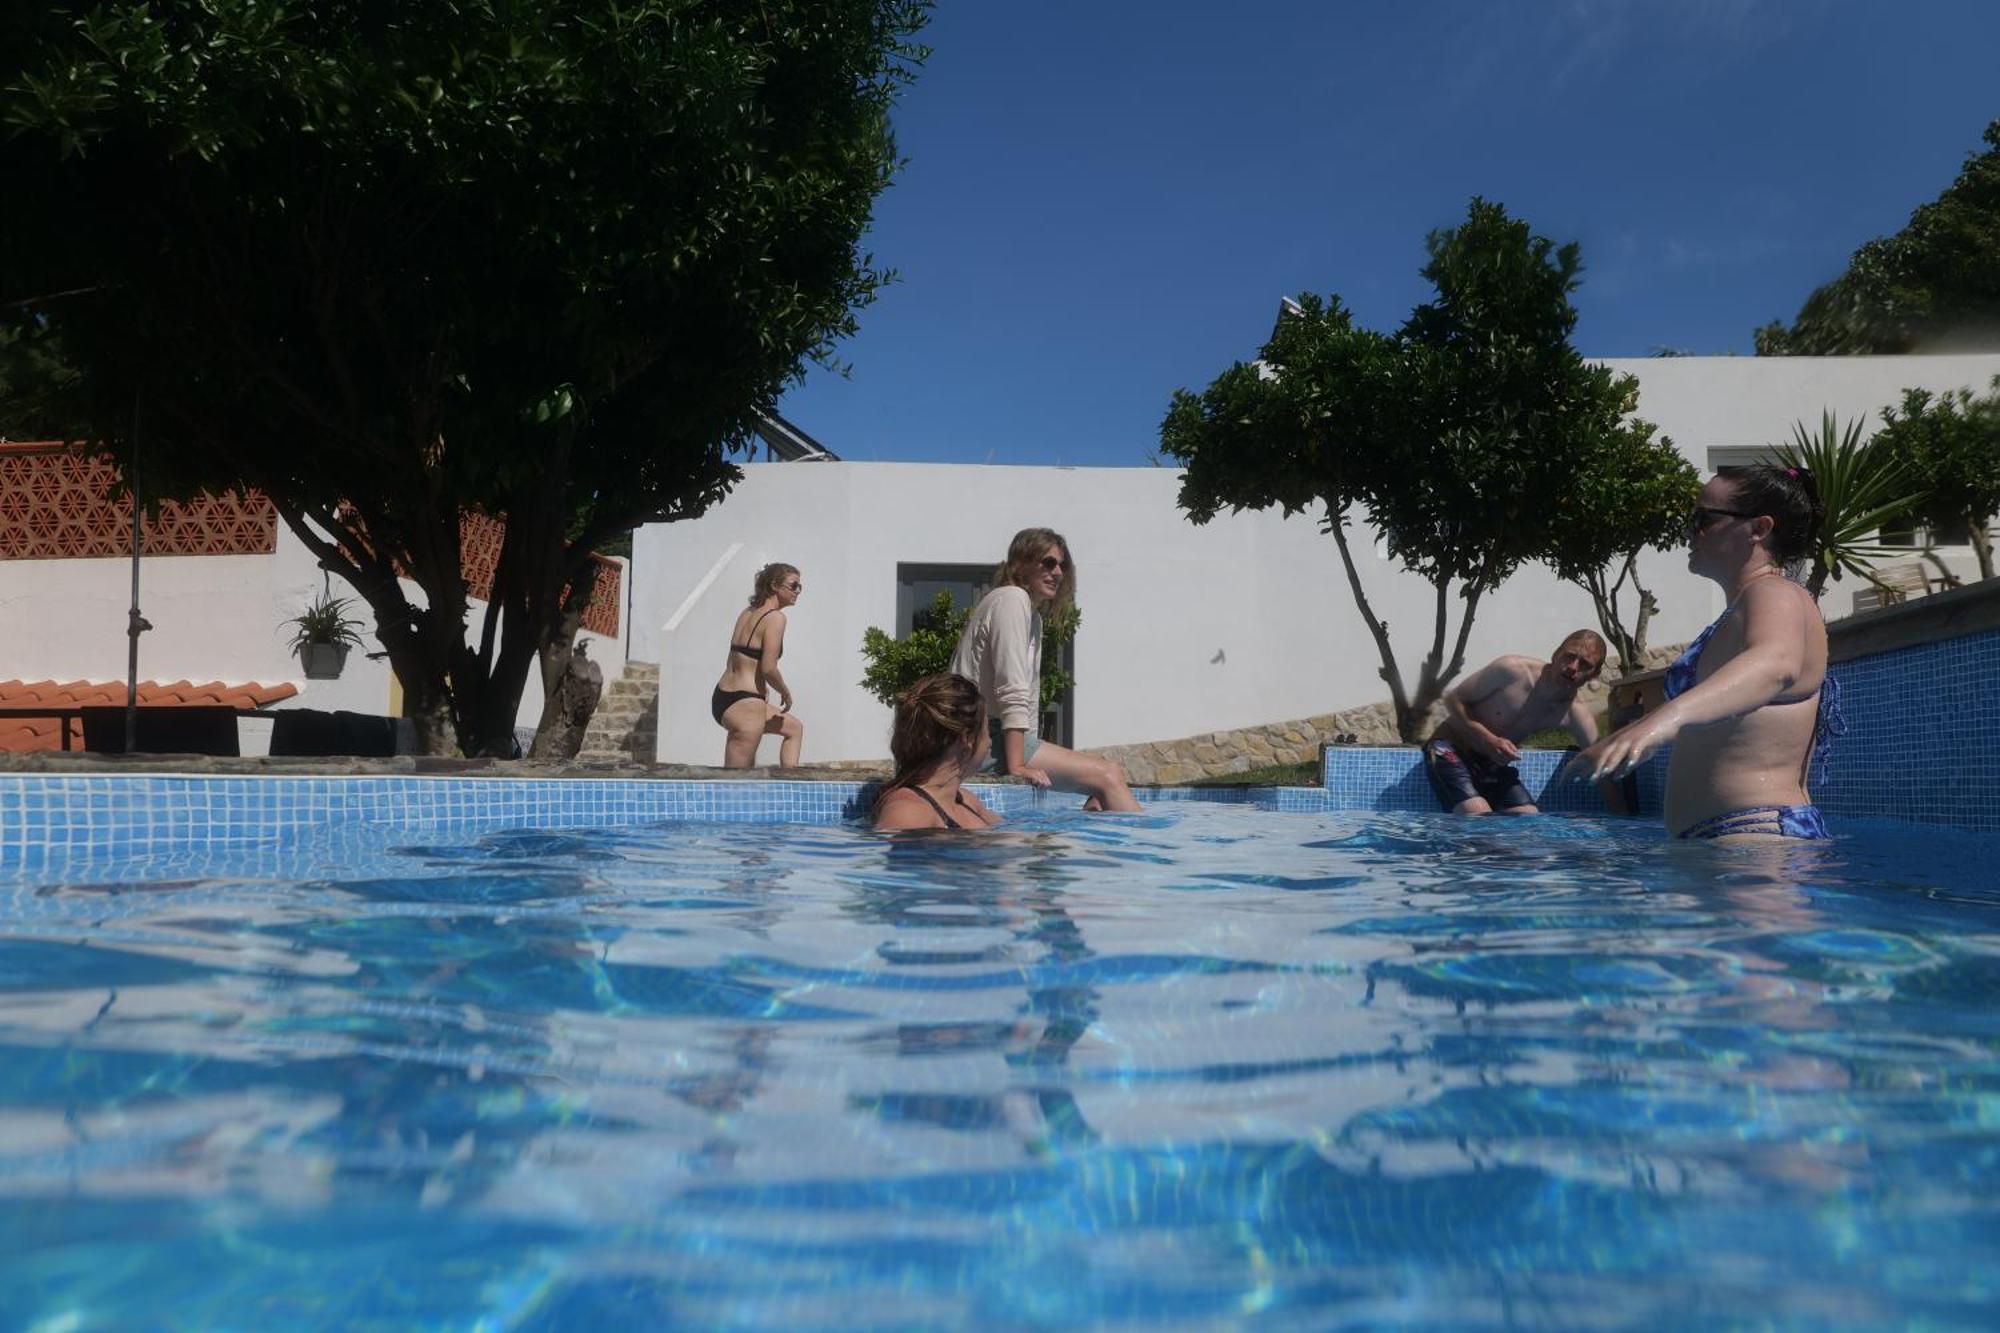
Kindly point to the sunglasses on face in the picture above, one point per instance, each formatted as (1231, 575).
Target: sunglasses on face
(1055, 564)
(1702, 517)
(795, 587)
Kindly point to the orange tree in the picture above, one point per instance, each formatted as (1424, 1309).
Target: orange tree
(388, 262)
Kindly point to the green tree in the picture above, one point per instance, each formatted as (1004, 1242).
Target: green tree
(1863, 486)
(896, 664)
(1629, 492)
(1449, 437)
(389, 262)
(33, 377)
(1951, 444)
(1935, 283)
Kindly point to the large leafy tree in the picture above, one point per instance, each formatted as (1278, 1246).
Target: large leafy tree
(387, 262)
(1934, 284)
(1629, 491)
(1951, 443)
(1450, 437)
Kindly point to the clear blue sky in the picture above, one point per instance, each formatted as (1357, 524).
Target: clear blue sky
(1105, 199)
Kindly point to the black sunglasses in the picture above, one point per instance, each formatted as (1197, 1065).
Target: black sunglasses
(1051, 562)
(1699, 516)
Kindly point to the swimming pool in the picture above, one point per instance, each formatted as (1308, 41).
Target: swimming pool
(1208, 1065)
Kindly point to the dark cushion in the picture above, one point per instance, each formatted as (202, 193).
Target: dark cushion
(173, 729)
(304, 731)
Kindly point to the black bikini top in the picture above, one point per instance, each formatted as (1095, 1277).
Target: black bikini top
(745, 648)
(958, 800)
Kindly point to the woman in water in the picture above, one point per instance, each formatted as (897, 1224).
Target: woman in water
(756, 642)
(1001, 652)
(1750, 698)
(939, 740)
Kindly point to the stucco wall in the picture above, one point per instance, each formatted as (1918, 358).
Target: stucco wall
(1242, 622)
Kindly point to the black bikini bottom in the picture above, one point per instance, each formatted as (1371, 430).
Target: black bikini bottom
(720, 701)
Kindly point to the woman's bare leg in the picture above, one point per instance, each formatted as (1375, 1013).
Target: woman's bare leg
(794, 732)
(745, 720)
(1103, 780)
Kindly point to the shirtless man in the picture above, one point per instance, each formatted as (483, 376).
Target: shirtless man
(1470, 760)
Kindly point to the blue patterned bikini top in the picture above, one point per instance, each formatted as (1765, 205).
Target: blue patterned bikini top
(1828, 722)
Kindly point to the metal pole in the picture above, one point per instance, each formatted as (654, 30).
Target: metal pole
(135, 624)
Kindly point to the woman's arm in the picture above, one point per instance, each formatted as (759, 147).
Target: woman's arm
(1776, 622)
(767, 659)
(1017, 679)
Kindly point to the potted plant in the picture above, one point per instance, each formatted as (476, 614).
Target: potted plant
(322, 634)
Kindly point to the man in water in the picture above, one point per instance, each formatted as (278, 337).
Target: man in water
(1470, 760)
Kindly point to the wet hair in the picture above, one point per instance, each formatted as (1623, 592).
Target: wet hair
(933, 716)
(768, 579)
(1790, 498)
(1023, 562)
(1588, 638)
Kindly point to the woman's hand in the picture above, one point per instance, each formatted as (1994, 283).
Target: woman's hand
(1034, 777)
(784, 700)
(1622, 751)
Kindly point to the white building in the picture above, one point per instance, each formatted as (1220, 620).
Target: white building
(1186, 629)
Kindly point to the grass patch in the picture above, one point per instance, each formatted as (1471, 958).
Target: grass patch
(1276, 775)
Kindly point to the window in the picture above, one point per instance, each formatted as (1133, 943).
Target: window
(917, 586)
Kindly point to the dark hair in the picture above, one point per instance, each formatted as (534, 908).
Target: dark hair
(932, 716)
(767, 581)
(1790, 498)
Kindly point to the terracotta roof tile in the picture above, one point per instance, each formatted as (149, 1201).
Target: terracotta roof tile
(18, 734)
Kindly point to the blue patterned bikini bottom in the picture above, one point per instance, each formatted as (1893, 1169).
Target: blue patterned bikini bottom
(1785, 821)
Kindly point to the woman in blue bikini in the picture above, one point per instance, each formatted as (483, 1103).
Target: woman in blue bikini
(1750, 699)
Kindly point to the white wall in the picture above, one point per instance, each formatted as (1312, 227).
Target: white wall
(1185, 629)
(214, 617)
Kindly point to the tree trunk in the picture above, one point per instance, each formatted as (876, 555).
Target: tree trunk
(565, 711)
(1982, 544)
(567, 707)
(1391, 675)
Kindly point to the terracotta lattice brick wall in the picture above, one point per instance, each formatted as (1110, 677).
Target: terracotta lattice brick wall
(54, 505)
(479, 539)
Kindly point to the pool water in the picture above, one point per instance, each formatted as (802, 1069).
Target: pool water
(1199, 1068)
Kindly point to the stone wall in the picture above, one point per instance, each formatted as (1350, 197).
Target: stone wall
(1217, 754)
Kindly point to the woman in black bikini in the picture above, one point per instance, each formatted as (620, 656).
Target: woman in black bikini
(939, 739)
(756, 642)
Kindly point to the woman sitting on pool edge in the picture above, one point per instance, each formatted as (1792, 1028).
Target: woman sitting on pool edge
(1750, 699)
(1000, 651)
(939, 740)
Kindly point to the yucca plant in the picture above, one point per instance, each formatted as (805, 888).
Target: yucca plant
(1863, 486)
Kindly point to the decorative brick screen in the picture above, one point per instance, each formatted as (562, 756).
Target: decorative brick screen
(479, 539)
(54, 505)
